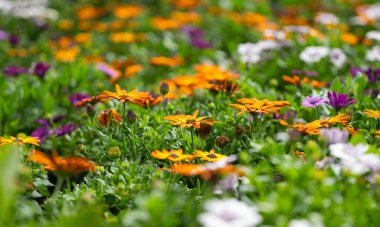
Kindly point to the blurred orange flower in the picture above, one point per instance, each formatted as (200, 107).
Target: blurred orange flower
(21, 139)
(166, 61)
(66, 165)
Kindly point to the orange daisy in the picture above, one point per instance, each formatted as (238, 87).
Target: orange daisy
(189, 120)
(67, 165)
(172, 155)
(124, 96)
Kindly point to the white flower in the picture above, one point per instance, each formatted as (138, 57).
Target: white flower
(355, 158)
(372, 12)
(374, 35)
(299, 223)
(326, 18)
(373, 54)
(314, 54)
(250, 53)
(229, 213)
(337, 57)
(28, 9)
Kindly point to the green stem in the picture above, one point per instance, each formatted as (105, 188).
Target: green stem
(192, 138)
(58, 186)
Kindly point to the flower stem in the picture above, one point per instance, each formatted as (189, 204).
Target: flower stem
(58, 186)
(192, 138)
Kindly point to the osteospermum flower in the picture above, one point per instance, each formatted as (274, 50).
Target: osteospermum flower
(334, 135)
(172, 155)
(66, 165)
(254, 106)
(166, 61)
(21, 139)
(208, 156)
(124, 96)
(338, 100)
(372, 113)
(313, 101)
(105, 116)
(229, 212)
(189, 120)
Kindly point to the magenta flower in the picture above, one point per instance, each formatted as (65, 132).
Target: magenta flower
(338, 100)
(77, 97)
(65, 129)
(313, 101)
(40, 69)
(14, 70)
(13, 40)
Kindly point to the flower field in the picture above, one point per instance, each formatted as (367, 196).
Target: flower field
(210, 113)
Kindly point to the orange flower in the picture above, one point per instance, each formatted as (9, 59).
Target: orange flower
(132, 70)
(66, 55)
(126, 37)
(254, 106)
(127, 11)
(67, 165)
(166, 61)
(105, 117)
(83, 37)
(92, 100)
(208, 156)
(206, 171)
(124, 96)
(189, 120)
(377, 134)
(185, 17)
(297, 81)
(185, 4)
(89, 12)
(149, 101)
(312, 128)
(210, 72)
(172, 155)
(21, 139)
(372, 113)
(349, 38)
(227, 87)
(162, 23)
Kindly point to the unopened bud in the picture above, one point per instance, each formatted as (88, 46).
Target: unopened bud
(222, 141)
(114, 152)
(131, 117)
(164, 88)
(204, 130)
(90, 110)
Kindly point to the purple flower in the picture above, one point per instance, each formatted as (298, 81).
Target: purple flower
(200, 43)
(3, 35)
(14, 70)
(77, 97)
(372, 74)
(13, 40)
(106, 69)
(196, 37)
(43, 132)
(40, 69)
(334, 135)
(65, 129)
(313, 101)
(338, 100)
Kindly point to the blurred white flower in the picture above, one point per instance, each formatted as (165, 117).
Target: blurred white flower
(337, 57)
(372, 12)
(28, 9)
(374, 35)
(312, 54)
(250, 53)
(355, 158)
(326, 18)
(373, 54)
(229, 213)
(334, 135)
(299, 223)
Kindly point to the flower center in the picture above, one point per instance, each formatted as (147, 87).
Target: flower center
(173, 156)
(190, 121)
(211, 156)
(17, 140)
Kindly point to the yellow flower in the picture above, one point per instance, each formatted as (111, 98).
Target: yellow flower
(208, 156)
(21, 139)
(172, 155)
(124, 96)
(189, 120)
(372, 113)
(254, 106)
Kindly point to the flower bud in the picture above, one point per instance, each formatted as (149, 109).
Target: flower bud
(90, 110)
(131, 117)
(204, 130)
(114, 152)
(164, 88)
(222, 141)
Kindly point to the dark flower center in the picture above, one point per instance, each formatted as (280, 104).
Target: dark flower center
(190, 121)
(173, 156)
(211, 156)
